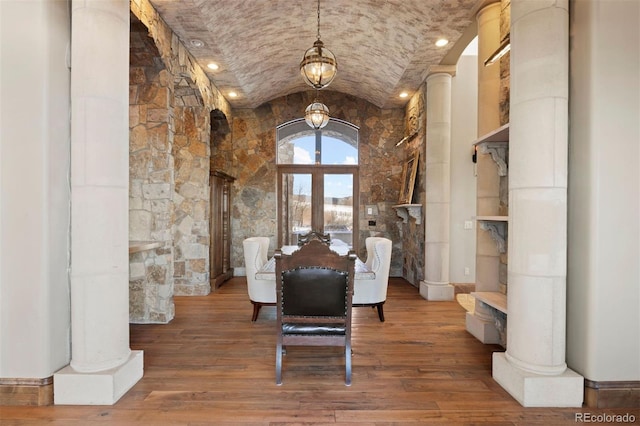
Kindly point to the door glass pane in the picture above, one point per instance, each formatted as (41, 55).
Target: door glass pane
(338, 208)
(296, 193)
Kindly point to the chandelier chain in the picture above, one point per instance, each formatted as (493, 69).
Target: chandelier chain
(318, 35)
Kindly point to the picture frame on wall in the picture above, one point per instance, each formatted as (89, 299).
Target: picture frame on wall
(409, 171)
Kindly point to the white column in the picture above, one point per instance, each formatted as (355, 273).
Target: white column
(488, 20)
(436, 285)
(533, 369)
(102, 366)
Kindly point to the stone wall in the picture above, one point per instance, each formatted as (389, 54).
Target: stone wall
(150, 290)
(191, 198)
(171, 99)
(251, 158)
(150, 180)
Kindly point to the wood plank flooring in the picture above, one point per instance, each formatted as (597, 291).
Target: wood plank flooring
(212, 366)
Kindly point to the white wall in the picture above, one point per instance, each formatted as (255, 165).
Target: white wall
(603, 299)
(464, 105)
(34, 196)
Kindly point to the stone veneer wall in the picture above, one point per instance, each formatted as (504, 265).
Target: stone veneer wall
(191, 198)
(413, 234)
(150, 181)
(171, 99)
(251, 158)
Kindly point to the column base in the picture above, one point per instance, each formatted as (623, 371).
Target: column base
(100, 388)
(436, 291)
(535, 390)
(483, 330)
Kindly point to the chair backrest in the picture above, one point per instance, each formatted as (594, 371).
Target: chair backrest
(315, 282)
(255, 254)
(315, 292)
(379, 255)
(314, 235)
(261, 291)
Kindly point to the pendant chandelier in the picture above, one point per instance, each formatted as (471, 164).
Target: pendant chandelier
(318, 66)
(316, 115)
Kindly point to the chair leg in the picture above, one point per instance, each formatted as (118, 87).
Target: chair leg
(347, 363)
(256, 310)
(380, 311)
(279, 364)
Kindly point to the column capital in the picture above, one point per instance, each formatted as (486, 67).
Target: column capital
(442, 69)
(482, 4)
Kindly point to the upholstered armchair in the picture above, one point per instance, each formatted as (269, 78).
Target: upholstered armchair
(261, 292)
(374, 292)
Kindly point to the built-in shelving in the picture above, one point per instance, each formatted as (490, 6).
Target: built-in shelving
(488, 321)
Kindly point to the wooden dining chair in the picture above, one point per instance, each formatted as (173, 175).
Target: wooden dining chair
(314, 235)
(314, 288)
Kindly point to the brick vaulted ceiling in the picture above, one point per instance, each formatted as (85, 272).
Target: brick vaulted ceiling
(383, 47)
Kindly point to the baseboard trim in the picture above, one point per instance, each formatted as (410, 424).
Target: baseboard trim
(32, 392)
(612, 394)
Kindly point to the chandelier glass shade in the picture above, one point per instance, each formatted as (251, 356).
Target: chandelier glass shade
(317, 115)
(318, 66)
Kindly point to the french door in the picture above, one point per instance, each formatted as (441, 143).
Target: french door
(318, 198)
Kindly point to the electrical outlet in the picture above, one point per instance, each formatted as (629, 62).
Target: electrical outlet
(468, 224)
(466, 270)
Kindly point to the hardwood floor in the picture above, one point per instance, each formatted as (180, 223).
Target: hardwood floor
(212, 366)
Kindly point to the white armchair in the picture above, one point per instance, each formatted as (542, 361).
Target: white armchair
(374, 292)
(261, 292)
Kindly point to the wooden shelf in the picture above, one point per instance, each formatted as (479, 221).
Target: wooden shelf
(406, 210)
(494, 299)
(138, 246)
(501, 134)
(493, 218)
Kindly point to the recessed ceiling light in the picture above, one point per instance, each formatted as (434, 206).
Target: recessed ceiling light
(196, 43)
(442, 42)
(404, 94)
(212, 66)
(233, 95)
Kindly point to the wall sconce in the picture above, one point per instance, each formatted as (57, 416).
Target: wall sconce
(505, 46)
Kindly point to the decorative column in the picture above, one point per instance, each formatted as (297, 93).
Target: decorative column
(102, 365)
(436, 285)
(488, 20)
(533, 369)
